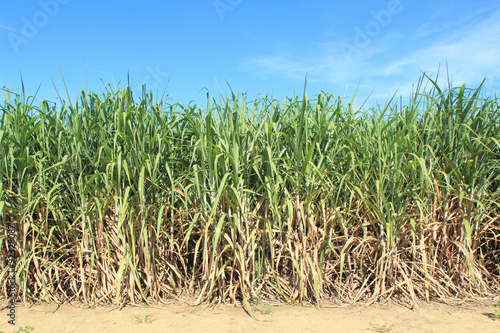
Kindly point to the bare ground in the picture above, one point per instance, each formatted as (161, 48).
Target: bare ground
(180, 317)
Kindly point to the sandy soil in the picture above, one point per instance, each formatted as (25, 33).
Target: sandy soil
(278, 318)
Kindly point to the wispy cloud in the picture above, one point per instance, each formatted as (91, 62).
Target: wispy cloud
(4, 27)
(472, 52)
(281, 64)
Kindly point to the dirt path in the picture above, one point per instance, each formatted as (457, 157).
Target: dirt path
(279, 318)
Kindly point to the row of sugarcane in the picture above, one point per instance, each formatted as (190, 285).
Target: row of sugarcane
(121, 199)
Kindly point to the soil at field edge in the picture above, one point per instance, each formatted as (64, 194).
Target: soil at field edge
(270, 318)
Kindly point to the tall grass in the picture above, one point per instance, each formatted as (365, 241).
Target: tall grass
(122, 199)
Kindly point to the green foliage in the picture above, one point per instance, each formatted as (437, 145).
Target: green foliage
(118, 198)
(381, 328)
(25, 329)
(496, 312)
(143, 318)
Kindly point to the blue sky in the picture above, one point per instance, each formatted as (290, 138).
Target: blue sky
(258, 47)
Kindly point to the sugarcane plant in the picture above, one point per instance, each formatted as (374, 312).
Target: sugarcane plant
(117, 198)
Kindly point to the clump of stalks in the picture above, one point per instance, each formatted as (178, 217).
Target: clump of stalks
(118, 199)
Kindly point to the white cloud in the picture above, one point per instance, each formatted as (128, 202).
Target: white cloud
(471, 52)
(9, 29)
